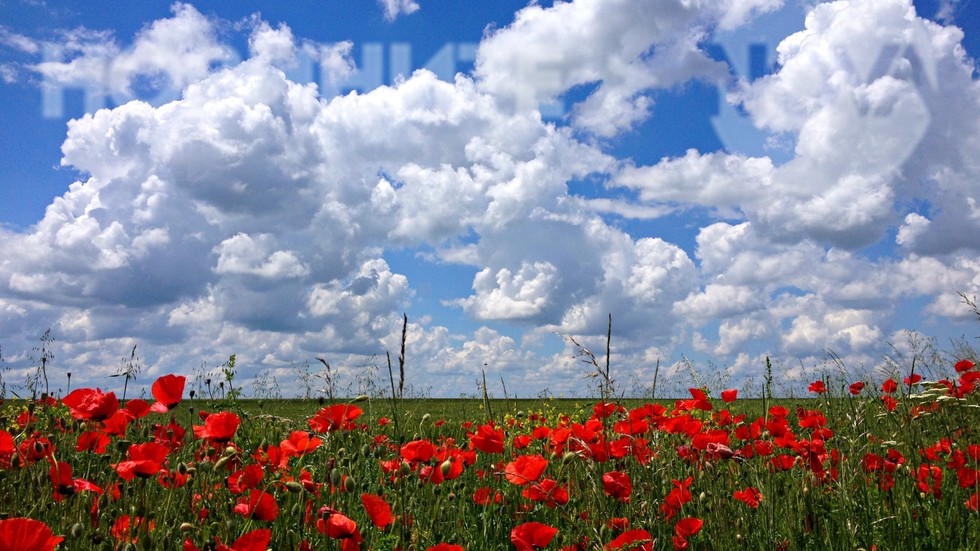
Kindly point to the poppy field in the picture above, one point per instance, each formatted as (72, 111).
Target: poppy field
(889, 464)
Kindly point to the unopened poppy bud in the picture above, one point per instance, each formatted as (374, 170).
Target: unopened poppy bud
(230, 450)
(405, 468)
(568, 457)
(220, 463)
(446, 467)
(702, 496)
(294, 487)
(182, 468)
(361, 398)
(348, 484)
(366, 450)
(296, 509)
(426, 417)
(335, 477)
(76, 529)
(187, 527)
(341, 452)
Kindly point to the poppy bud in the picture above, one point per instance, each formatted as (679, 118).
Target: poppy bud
(348, 484)
(76, 529)
(366, 450)
(229, 451)
(335, 477)
(295, 511)
(446, 467)
(405, 468)
(569, 456)
(294, 487)
(182, 468)
(361, 398)
(220, 463)
(187, 527)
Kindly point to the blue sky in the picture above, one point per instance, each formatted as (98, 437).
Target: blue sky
(283, 180)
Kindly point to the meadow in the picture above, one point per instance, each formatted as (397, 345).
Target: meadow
(889, 464)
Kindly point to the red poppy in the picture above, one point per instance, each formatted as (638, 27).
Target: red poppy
(856, 388)
(446, 547)
(336, 525)
(685, 528)
(145, 460)
(256, 540)
(418, 451)
(889, 386)
(912, 379)
(136, 408)
(817, 387)
(547, 491)
(749, 496)
(218, 427)
(532, 535)
(258, 505)
(91, 404)
(299, 443)
(525, 469)
(487, 439)
(25, 534)
(483, 496)
(335, 417)
(632, 540)
(377, 509)
(963, 365)
(125, 528)
(168, 392)
(618, 485)
(729, 395)
(245, 479)
(65, 485)
(95, 442)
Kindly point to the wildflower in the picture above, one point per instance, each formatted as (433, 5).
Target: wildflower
(817, 387)
(856, 388)
(168, 392)
(963, 365)
(218, 427)
(889, 386)
(446, 547)
(749, 496)
(335, 417)
(728, 396)
(91, 404)
(632, 540)
(25, 534)
(256, 540)
(532, 535)
(65, 485)
(377, 509)
(258, 505)
(685, 528)
(95, 442)
(299, 443)
(487, 439)
(145, 460)
(618, 485)
(525, 469)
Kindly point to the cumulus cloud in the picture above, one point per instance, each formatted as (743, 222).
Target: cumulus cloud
(394, 8)
(252, 214)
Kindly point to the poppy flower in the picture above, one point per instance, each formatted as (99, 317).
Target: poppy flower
(25, 534)
(377, 509)
(632, 540)
(299, 443)
(335, 417)
(685, 528)
(145, 460)
(124, 527)
(91, 404)
(65, 485)
(963, 365)
(525, 469)
(487, 439)
(256, 540)
(168, 391)
(418, 451)
(483, 496)
(749, 496)
(889, 386)
(445, 547)
(912, 379)
(856, 388)
(728, 396)
(218, 427)
(547, 491)
(336, 525)
(91, 441)
(532, 535)
(245, 479)
(258, 505)
(817, 387)
(618, 485)
(136, 408)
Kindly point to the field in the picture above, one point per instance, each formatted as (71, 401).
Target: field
(888, 464)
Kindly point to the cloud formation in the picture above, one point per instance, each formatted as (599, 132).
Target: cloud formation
(251, 214)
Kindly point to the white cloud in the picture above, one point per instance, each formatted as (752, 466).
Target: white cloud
(394, 8)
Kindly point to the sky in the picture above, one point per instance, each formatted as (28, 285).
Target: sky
(727, 181)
